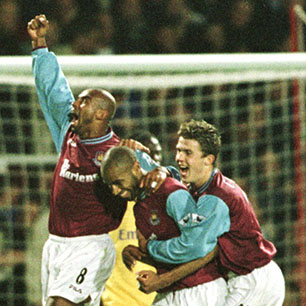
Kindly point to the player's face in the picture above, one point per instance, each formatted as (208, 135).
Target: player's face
(83, 113)
(123, 184)
(191, 162)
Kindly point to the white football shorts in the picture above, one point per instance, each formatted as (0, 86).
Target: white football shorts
(77, 268)
(264, 286)
(208, 294)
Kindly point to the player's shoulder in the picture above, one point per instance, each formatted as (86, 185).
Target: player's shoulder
(228, 190)
(223, 183)
(105, 142)
(171, 184)
(111, 137)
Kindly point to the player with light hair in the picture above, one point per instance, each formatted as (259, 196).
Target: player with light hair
(170, 212)
(243, 253)
(79, 255)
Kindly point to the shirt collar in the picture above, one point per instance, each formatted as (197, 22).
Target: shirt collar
(104, 138)
(202, 188)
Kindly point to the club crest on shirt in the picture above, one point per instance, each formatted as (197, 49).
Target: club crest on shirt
(98, 158)
(154, 219)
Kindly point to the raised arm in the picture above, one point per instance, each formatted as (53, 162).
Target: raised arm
(52, 88)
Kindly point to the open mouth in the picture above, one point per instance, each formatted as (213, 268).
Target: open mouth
(183, 170)
(73, 117)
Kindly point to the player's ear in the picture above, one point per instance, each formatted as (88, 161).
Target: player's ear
(101, 114)
(136, 169)
(209, 159)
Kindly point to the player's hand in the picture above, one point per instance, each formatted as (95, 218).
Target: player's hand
(154, 179)
(134, 144)
(130, 255)
(149, 281)
(38, 27)
(142, 242)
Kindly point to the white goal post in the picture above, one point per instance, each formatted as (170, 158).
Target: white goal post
(170, 63)
(256, 100)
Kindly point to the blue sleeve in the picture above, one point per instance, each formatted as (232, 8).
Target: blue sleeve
(145, 161)
(174, 173)
(53, 92)
(201, 224)
(148, 164)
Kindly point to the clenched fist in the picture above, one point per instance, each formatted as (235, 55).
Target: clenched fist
(37, 29)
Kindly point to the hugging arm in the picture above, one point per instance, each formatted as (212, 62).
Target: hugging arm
(150, 281)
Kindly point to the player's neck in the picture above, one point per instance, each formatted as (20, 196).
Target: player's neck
(204, 179)
(95, 132)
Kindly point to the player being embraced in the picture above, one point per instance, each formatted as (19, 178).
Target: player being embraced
(121, 288)
(244, 254)
(79, 255)
(170, 212)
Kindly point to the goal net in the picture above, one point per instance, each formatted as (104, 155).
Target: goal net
(257, 101)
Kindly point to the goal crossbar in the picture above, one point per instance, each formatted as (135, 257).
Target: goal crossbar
(184, 63)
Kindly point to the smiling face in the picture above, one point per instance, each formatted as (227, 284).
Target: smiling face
(195, 168)
(122, 182)
(121, 171)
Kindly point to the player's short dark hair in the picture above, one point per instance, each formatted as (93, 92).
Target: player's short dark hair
(206, 134)
(118, 157)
